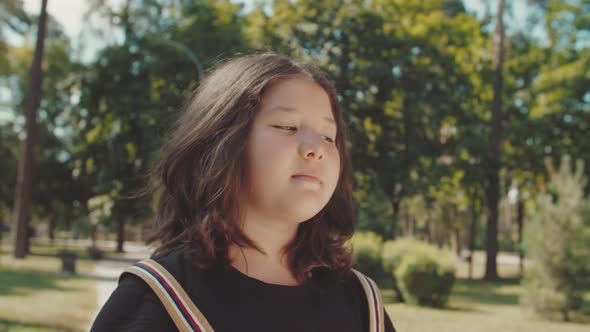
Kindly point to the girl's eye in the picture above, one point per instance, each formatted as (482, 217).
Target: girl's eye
(288, 128)
(293, 129)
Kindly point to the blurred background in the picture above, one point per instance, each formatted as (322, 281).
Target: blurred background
(469, 124)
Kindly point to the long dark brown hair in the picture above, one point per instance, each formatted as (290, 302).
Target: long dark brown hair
(202, 171)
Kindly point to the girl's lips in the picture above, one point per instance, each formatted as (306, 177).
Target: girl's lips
(306, 178)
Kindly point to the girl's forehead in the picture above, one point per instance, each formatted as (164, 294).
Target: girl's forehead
(296, 94)
(329, 119)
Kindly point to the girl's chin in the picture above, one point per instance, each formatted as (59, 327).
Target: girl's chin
(305, 213)
(307, 184)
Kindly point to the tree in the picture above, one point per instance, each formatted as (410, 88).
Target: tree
(12, 18)
(8, 155)
(22, 210)
(494, 151)
(545, 94)
(132, 93)
(403, 69)
(560, 111)
(557, 240)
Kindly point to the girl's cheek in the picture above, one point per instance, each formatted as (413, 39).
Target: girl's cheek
(333, 151)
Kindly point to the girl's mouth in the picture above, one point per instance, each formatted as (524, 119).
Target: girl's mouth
(308, 178)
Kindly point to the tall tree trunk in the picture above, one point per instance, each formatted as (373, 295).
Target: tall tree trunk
(429, 236)
(472, 230)
(28, 240)
(395, 219)
(458, 242)
(120, 233)
(405, 171)
(493, 190)
(69, 222)
(1, 227)
(520, 222)
(93, 235)
(52, 224)
(406, 231)
(22, 201)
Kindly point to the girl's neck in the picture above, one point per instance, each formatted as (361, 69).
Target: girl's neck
(262, 267)
(272, 266)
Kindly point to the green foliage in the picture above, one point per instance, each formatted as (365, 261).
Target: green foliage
(393, 254)
(404, 71)
(395, 251)
(426, 279)
(13, 19)
(375, 211)
(557, 241)
(423, 273)
(132, 93)
(366, 249)
(414, 78)
(8, 155)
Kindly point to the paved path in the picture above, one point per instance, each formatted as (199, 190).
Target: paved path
(107, 272)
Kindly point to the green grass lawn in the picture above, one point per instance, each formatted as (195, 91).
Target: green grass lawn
(35, 296)
(81, 251)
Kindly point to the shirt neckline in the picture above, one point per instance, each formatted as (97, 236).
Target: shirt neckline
(243, 280)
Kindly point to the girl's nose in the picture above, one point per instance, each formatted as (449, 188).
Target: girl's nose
(311, 146)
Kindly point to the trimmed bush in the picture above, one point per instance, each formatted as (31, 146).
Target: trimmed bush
(426, 279)
(366, 253)
(393, 254)
(422, 273)
(395, 251)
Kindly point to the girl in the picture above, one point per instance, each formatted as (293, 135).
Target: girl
(254, 209)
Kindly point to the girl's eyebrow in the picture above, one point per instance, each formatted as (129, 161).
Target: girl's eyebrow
(291, 109)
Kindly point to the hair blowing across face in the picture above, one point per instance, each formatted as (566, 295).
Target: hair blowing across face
(202, 171)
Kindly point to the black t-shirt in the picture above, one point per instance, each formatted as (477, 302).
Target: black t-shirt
(232, 301)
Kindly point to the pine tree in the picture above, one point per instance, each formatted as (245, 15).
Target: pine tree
(557, 241)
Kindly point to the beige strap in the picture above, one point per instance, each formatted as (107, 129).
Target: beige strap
(181, 309)
(375, 302)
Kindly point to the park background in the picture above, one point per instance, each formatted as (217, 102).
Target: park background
(468, 120)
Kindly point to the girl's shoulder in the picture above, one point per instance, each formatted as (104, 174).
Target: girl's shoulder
(355, 281)
(175, 261)
(135, 288)
(369, 298)
(133, 305)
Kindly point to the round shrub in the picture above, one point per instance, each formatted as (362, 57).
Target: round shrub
(392, 256)
(425, 277)
(395, 251)
(366, 253)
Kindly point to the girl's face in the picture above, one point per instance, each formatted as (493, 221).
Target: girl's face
(292, 157)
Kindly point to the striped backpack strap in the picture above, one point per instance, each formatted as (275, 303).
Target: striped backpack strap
(181, 309)
(376, 311)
